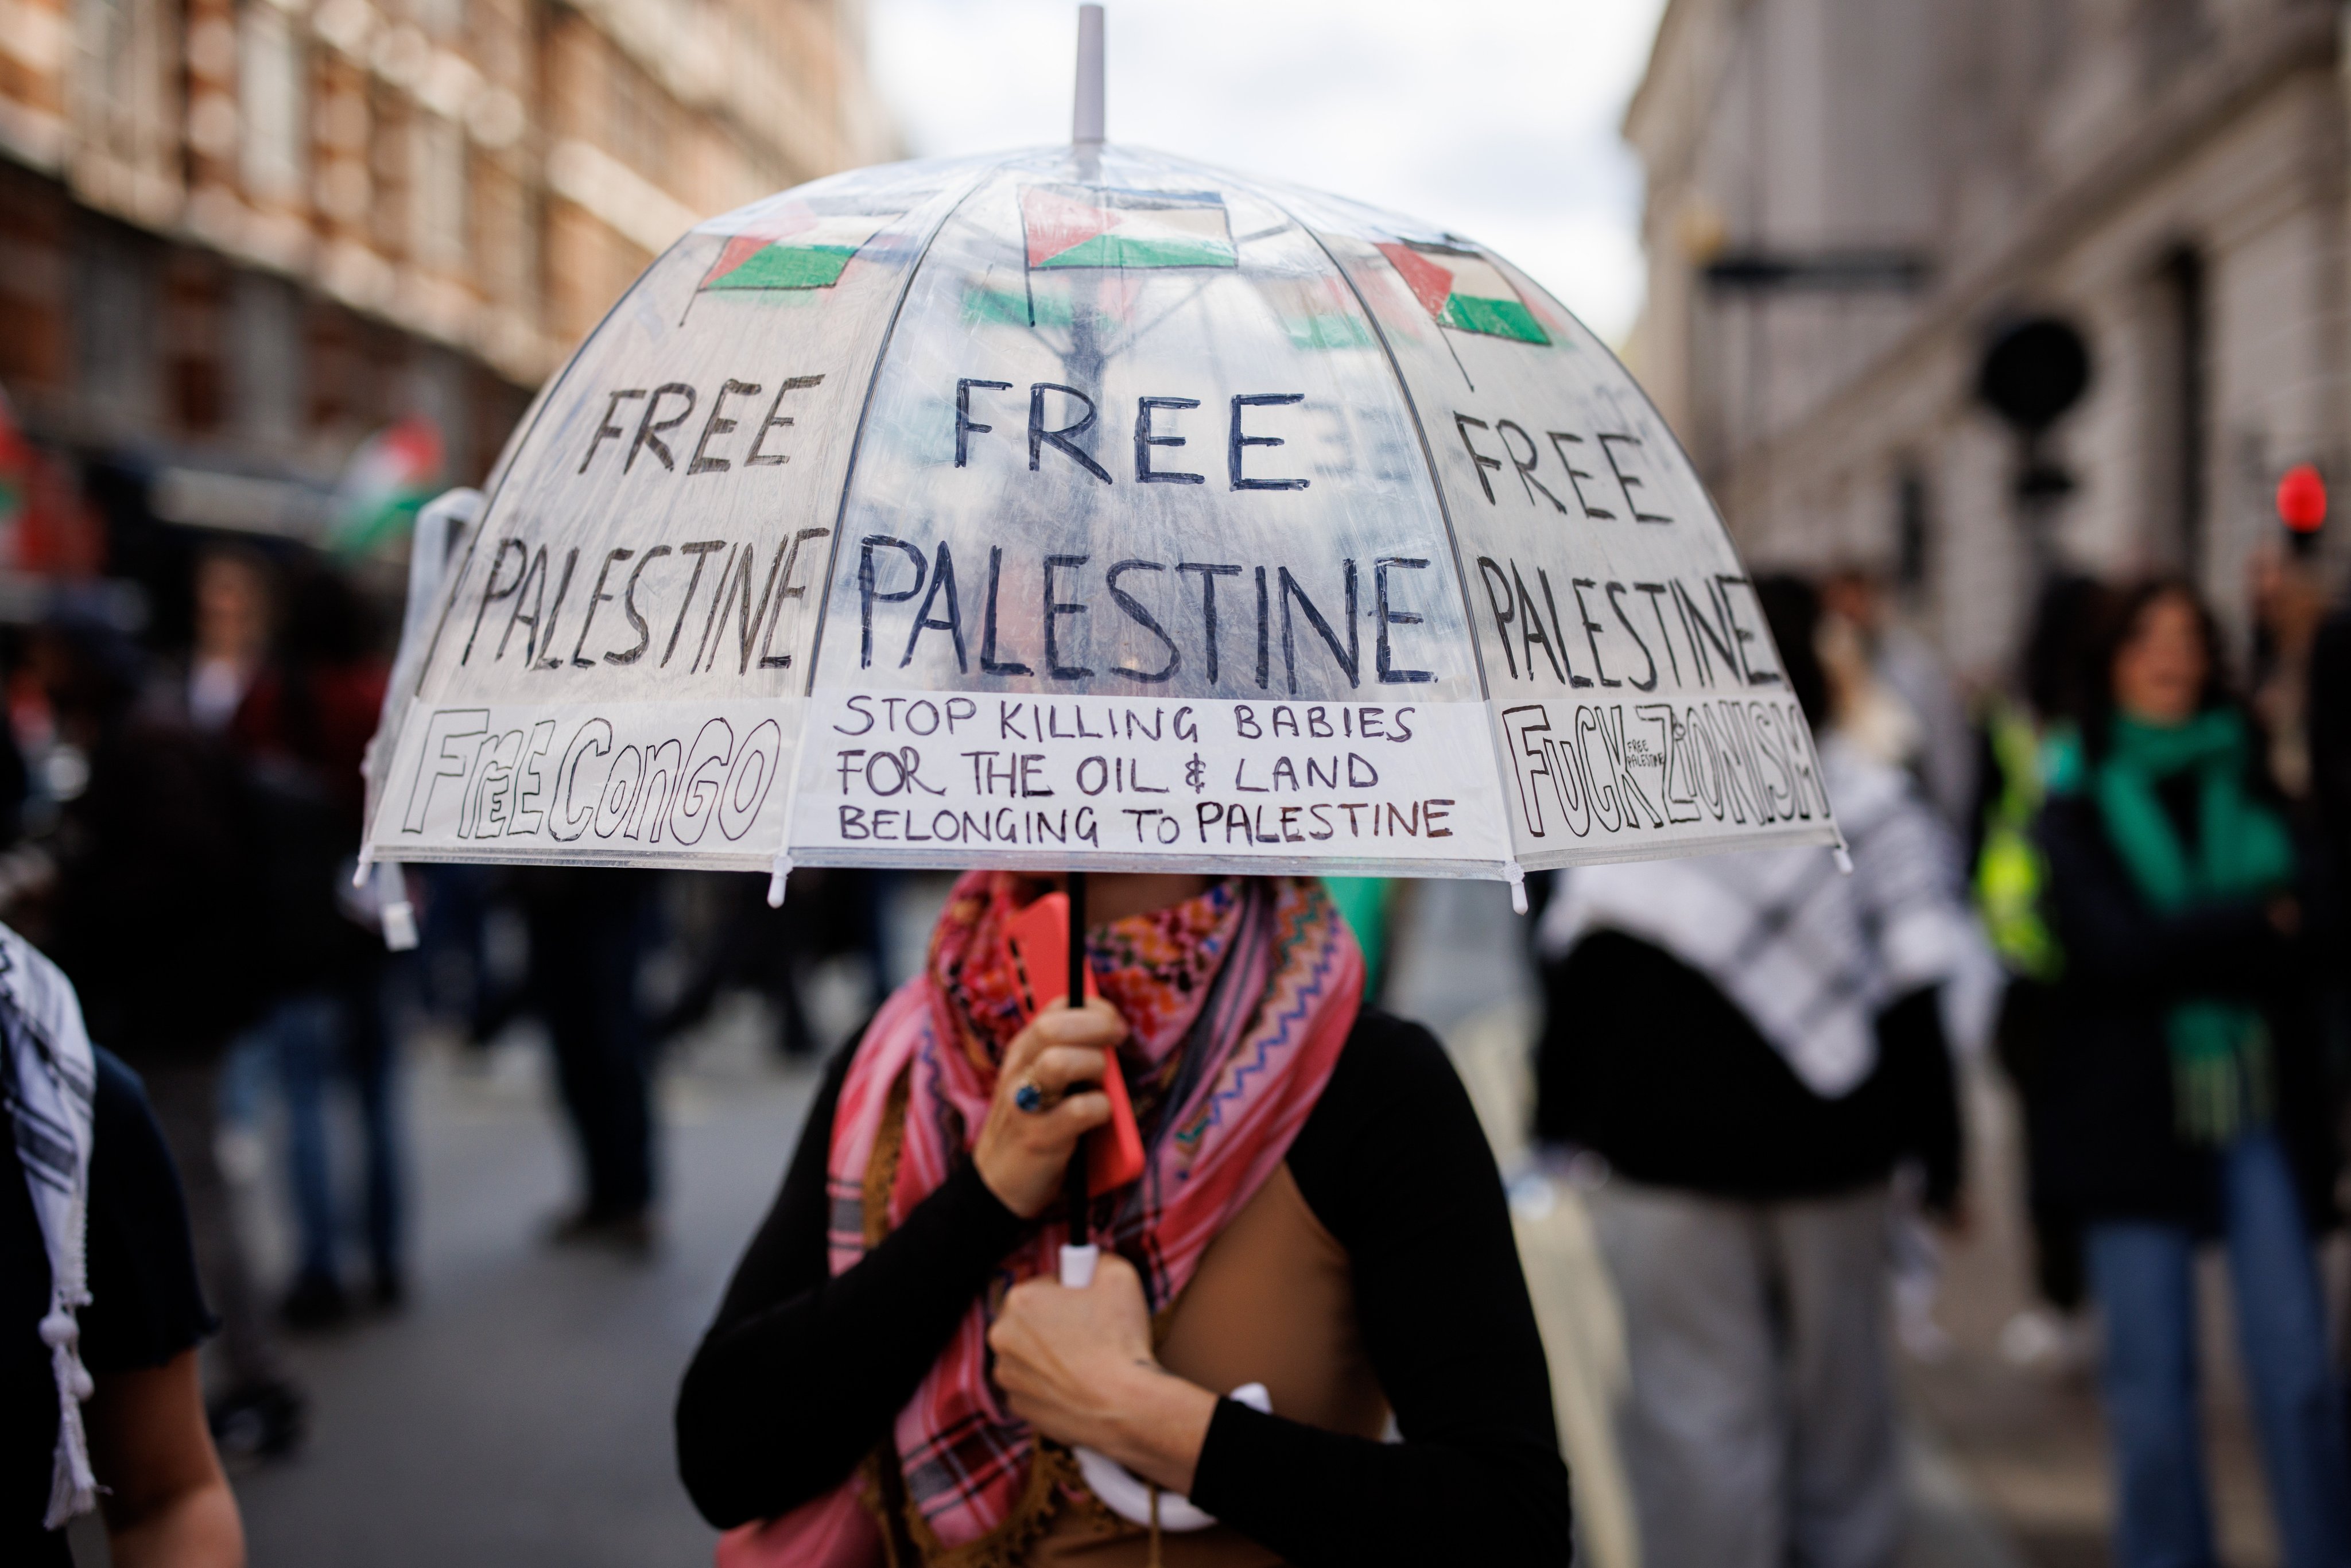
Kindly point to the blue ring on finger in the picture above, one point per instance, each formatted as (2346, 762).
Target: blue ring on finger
(1030, 1098)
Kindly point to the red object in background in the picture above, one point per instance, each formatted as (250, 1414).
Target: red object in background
(46, 527)
(2302, 498)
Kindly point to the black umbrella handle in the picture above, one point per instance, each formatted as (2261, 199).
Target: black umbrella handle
(1074, 1193)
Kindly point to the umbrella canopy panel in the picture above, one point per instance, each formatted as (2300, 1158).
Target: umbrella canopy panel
(1090, 507)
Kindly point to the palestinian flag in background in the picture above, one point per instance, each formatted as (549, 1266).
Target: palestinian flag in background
(799, 250)
(1463, 290)
(384, 486)
(1079, 225)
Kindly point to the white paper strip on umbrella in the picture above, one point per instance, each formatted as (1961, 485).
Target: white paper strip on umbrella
(1085, 507)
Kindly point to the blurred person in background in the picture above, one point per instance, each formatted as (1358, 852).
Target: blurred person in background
(2288, 604)
(767, 950)
(300, 726)
(589, 931)
(2010, 875)
(155, 918)
(1752, 1043)
(1368, 904)
(1908, 713)
(2183, 1081)
(100, 1312)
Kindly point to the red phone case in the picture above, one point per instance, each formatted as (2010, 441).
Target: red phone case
(1037, 945)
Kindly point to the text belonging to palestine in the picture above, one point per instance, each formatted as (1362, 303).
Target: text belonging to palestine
(981, 773)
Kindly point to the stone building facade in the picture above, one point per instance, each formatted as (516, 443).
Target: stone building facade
(1846, 199)
(237, 235)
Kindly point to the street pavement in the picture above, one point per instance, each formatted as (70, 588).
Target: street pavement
(517, 1411)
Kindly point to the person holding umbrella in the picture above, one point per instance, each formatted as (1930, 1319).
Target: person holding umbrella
(1318, 1213)
(1087, 510)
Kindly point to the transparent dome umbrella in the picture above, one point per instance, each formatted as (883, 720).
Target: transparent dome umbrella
(1085, 507)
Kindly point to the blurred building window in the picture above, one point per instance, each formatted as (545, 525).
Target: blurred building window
(115, 323)
(2173, 33)
(269, 81)
(1913, 531)
(2053, 40)
(442, 18)
(126, 100)
(635, 124)
(437, 151)
(2180, 434)
(266, 371)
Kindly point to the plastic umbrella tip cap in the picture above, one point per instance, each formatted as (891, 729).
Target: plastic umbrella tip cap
(2302, 498)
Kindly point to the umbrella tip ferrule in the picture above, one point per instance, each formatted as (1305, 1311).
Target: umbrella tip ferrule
(1086, 120)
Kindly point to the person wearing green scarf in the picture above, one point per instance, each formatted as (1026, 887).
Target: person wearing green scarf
(2238, 847)
(2183, 1073)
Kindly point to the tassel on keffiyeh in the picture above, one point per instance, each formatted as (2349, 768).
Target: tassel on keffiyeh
(52, 1084)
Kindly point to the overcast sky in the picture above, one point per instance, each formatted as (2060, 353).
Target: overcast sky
(1496, 119)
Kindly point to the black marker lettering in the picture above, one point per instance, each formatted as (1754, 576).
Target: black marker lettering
(1349, 660)
(1142, 617)
(629, 607)
(719, 424)
(867, 593)
(650, 434)
(1054, 610)
(1208, 575)
(1238, 440)
(1575, 477)
(965, 426)
(595, 598)
(1145, 441)
(1526, 466)
(1461, 423)
(607, 428)
(1386, 617)
(758, 458)
(988, 662)
(1061, 440)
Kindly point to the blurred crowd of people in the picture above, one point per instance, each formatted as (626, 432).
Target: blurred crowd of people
(2121, 873)
(179, 830)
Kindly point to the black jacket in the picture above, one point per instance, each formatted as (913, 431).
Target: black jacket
(1644, 1060)
(157, 916)
(2102, 1122)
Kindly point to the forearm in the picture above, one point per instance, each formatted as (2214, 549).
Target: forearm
(1323, 1498)
(781, 1404)
(1150, 1420)
(197, 1529)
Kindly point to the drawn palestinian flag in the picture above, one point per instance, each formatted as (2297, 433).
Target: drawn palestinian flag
(1463, 290)
(1076, 225)
(799, 250)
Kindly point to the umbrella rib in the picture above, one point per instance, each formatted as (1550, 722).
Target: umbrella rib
(865, 412)
(514, 444)
(1428, 456)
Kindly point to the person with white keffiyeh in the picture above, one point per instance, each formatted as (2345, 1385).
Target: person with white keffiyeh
(1750, 1045)
(99, 1310)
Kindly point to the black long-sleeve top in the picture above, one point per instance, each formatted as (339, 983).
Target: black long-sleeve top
(2105, 1136)
(802, 1373)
